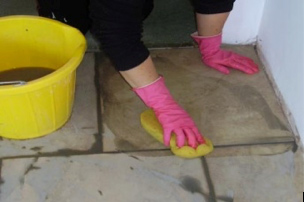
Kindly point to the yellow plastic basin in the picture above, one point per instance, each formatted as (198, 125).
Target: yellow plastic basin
(43, 105)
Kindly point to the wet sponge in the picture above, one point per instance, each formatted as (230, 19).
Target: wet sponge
(153, 127)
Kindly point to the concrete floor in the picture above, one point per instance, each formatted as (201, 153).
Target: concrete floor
(92, 158)
(103, 154)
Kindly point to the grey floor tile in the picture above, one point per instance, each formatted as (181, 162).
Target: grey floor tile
(167, 27)
(90, 178)
(257, 178)
(78, 135)
(235, 109)
(16, 7)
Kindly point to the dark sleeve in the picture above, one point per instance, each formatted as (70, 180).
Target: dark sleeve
(75, 15)
(213, 6)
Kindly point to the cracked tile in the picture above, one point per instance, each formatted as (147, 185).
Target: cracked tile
(116, 177)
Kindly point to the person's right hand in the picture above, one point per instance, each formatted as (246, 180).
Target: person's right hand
(170, 115)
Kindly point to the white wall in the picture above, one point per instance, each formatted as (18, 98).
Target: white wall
(244, 21)
(281, 42)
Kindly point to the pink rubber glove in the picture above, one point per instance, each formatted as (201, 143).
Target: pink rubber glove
(170, 115)
(221, 60)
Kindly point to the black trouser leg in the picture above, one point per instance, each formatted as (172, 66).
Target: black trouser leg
(118, 25)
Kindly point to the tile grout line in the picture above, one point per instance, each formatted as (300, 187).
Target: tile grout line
(98, 107)
(255, 144)
(212, 195)
(80, 153)
(1, 180)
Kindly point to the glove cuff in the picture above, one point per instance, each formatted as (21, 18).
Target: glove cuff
(135, 89)
(208, 45)
(195, 35)
(156, 94)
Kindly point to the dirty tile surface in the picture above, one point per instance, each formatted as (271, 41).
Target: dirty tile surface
(78, 135)
(120, 177)
(129, 177)
(257, 178)
(229, 109)
(238, 112)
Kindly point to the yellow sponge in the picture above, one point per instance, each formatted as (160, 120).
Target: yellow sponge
(153, 127)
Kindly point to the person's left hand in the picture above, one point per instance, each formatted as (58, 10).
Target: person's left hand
(221, 60)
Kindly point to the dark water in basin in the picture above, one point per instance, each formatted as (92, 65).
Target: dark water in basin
(24, 74)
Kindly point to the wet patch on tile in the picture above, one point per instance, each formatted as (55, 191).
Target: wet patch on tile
(234, 109)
